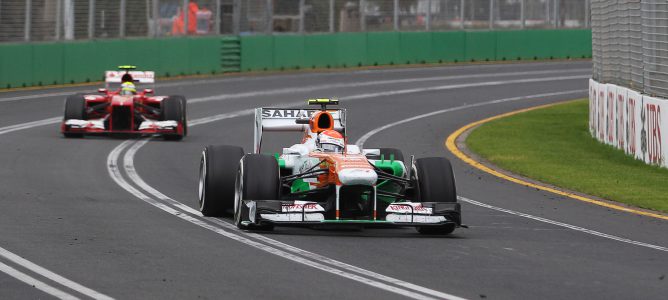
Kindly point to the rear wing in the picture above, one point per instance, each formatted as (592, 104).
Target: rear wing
(285, 119)
(138, 76)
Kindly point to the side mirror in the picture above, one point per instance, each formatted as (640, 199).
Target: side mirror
(148, 91)
(102, 90)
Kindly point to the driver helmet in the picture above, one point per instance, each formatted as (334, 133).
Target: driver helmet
(330, 141)
(128, 88)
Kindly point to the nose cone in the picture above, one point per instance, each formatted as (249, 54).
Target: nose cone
(354, 176)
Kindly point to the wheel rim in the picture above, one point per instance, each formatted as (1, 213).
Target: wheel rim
(202, 180)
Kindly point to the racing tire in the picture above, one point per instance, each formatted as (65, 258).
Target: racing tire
(75, 108)
(172, 108)
(218, 171)
(436, 183)
(184, 108)
(258, 178)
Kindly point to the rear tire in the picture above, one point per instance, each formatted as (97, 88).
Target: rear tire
(258, 178)
(173, 109)
(218, 171)
(75, 108)
(436, 183)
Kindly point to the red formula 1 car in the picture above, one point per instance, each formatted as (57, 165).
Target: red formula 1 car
(120, 108)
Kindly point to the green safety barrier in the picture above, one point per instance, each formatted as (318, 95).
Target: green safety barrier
(35, 64)
(282, 52)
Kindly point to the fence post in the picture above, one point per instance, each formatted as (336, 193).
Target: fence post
(68, 19)
(362, 15)
(587, 14)
(523, 13)
(428, 23)
(395, 9)
(185, 13)
(331, 16)
(156, 17)
(491, 14)
(557, 17)
(59, 13)
(270, 16)
(218, 17)
(301, 16)
(236, 16)
(91, 19)
(121, 25)
(461, 14)
(28, 20)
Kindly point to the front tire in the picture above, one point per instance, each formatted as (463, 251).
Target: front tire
(436, 183)
(258, 178)
(75, 109)
(218, 170)
(173, 109)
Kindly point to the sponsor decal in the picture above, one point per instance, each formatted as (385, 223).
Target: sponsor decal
(610, 121)
(301, 206)
(287, 113)
(631, 125)
(619, 125)
(601, 115)
(654, 133)
(406, 208)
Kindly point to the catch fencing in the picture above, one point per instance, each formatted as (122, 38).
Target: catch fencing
(630, 44)
(629, 86)
(55, 20)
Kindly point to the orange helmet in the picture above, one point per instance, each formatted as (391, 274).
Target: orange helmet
(330, 141)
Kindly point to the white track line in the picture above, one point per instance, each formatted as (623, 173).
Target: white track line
(35, 283)
(116, 175)
(360, 142)
(219, 97)
(48, 274)
(304, 89)
(128, 165)
(560, 224)
(32, 124)
(135, 178)
(54, 120)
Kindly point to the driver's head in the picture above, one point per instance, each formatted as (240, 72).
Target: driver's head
(128, 88)
(330, 141)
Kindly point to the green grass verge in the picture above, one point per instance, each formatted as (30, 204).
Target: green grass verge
(553, 145)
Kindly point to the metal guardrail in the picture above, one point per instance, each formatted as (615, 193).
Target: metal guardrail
(55, 20)
(630, 44)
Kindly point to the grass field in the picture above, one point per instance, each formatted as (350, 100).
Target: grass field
(553, 145)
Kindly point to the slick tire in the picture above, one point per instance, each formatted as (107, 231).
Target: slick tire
(173, 108)
(258, 178)
(75, 108)
(436, 183)
(218, 171)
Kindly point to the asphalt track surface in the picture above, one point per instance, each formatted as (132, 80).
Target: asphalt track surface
(98, 216)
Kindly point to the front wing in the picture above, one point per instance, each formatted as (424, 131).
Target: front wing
(97, 126)
(305, 213)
